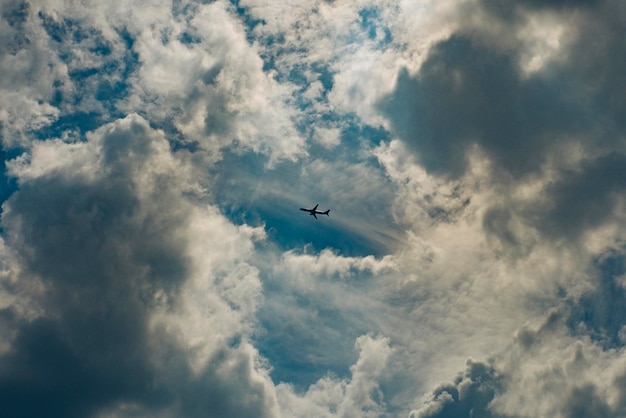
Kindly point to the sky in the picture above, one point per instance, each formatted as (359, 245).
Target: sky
(155, 153)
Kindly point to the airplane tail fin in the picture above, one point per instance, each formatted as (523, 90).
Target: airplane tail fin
(326, 213)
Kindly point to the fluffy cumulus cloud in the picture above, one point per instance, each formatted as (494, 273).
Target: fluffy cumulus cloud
(113, 257)
(154, 263)
(358, 396)
(212, 83)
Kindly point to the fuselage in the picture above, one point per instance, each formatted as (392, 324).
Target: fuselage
(313, 212)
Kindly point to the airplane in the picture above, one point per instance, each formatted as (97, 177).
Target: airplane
(314, 211)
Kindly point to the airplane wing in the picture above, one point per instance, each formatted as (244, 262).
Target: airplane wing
(313, 213)
(316, 206)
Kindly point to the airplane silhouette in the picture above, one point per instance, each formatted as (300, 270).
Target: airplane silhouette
(314, 211)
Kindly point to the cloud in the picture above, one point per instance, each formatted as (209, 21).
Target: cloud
(453, 276)
(29, 70)
(354, 397)
(597, 187)
(313, 300)
(535, 151)
(469, 395)
(599, 312)
(470, 90)
(187, 68)
(66, 67)
(351, 48)
(562, 375)
(214, 89)
(465, 95)
(109, 232)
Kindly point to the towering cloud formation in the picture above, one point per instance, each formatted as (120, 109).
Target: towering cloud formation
(134, 301)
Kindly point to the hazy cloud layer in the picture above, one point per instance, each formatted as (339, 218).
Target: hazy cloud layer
(154, 263)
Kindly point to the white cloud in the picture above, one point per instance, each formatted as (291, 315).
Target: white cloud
(363, 44)
(328, 137)
(218, 301)
(552, 367)
(354, 397)
(545, 371)
(29, 69)
(215, 90)
(112, 15)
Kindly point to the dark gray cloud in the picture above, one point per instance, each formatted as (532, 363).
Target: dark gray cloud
(582, 199)
(468, 396)
(469, 91)
(497, 221)
(511, 12)
(585, 402)
(585, 198)
(472, 91)
(108, 250)
(81, 240)
(601, 312)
